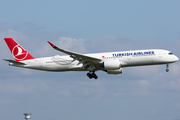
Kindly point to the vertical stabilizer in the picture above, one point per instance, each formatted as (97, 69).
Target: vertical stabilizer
(18, 52)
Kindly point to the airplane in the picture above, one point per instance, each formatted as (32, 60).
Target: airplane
(110, 62)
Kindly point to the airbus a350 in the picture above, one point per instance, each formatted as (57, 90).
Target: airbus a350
(110, 62)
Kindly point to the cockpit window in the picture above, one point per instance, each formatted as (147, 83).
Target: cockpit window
(170, 53)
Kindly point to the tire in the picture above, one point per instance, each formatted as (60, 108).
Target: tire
(88, 74)
(96, 77)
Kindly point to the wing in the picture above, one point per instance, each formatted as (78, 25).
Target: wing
(84, 59)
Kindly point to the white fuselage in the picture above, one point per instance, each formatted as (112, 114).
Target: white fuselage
(126, 58)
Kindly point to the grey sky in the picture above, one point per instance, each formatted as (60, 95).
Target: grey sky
(86, 27)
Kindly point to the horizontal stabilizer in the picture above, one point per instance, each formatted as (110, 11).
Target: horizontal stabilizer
(15, 62)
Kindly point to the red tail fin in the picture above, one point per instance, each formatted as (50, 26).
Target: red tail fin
(17, 51)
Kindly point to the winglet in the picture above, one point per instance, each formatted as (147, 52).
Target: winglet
(52, 45)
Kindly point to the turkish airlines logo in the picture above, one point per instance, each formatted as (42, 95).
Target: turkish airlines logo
(19, 53)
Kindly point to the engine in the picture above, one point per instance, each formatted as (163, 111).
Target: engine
(111, 65)
(118, 71)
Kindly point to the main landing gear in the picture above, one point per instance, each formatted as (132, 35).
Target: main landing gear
(167, 67)
(92, 75)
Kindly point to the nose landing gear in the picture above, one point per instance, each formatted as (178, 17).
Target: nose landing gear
(167, 67)
(92, 75)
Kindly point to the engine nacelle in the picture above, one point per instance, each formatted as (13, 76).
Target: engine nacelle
(118, 71)
(111, 65)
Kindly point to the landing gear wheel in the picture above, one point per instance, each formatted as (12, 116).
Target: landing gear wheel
(92, 75)
(88, 74)
(167, 70)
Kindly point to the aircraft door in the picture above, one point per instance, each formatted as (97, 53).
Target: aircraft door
(160, 54)
(129, 57)
(40, 62)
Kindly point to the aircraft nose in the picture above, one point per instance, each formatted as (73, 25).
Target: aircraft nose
(176, 58)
